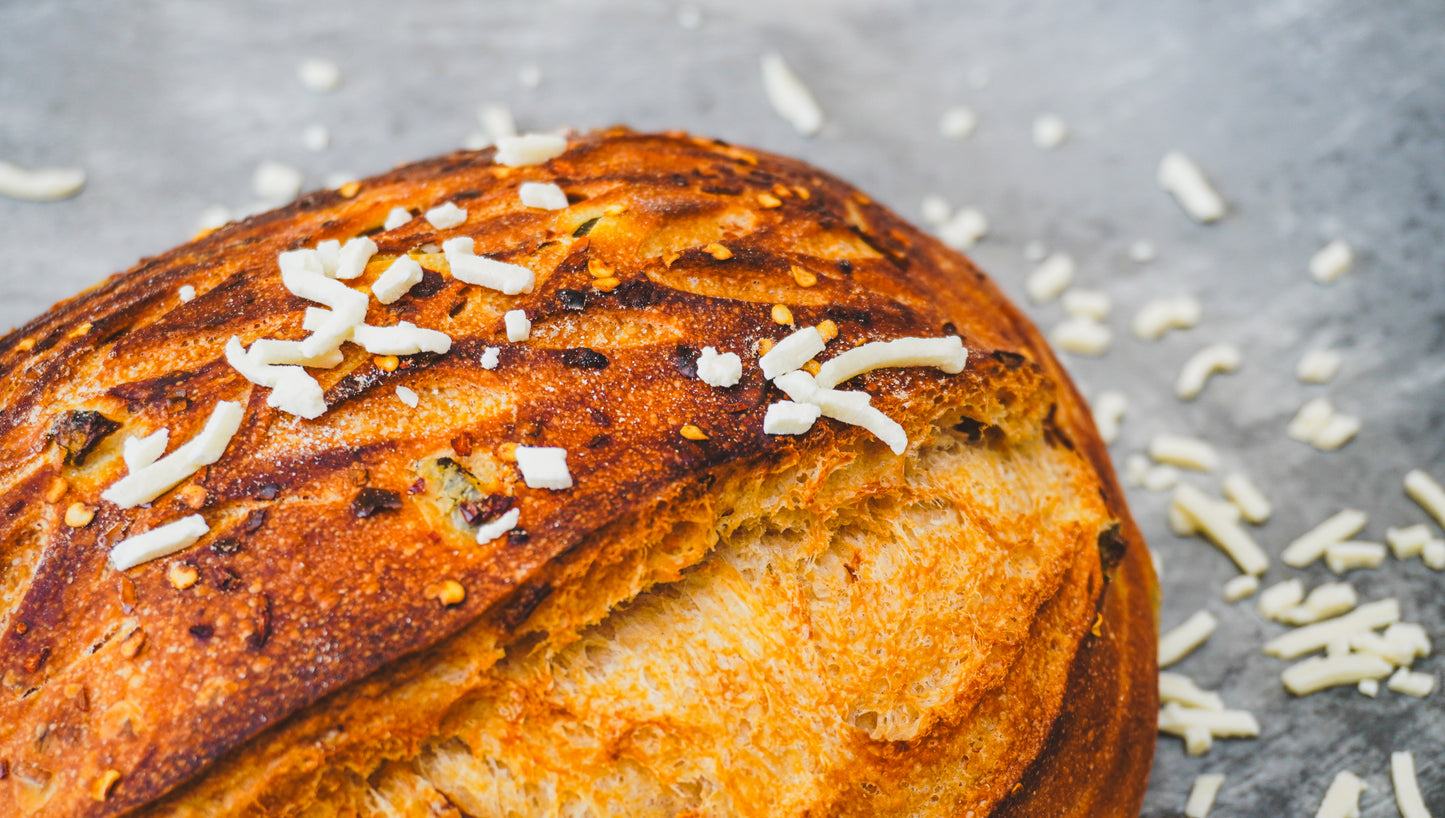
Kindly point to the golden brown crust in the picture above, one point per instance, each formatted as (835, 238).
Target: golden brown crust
(298, 596)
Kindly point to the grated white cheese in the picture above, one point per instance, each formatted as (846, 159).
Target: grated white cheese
(1331, 261)
(1136, 467)
(1276, 601)
(519, 328)
(1086, 303)
(329, 252)
(1142, 252)
(272, 351)
(1081, 335)
(1161, 478)
(1408, 542)
(293, 390)
(407, 396)
(276, 182)
(351, 261)
(855, 408)
(1369, 687)
(1342, 799)
(963, 229)
(446, 216)
(1396, 652)
(1163, 314)
(719, 369)
(1176, 687)
(1240, 587)
(405, 338)
(1433, 555)
(1409, 637)
(401, 276)
(161, 541)
(935, 210)
(1318, 366)
(1411, 683)
(319, 75)
(544, 195)
(1049, 131)
(1175, 720)
(186, 293)
(1181, 640)
(1310, 638)
(792, 352)
(544, 467)
(316, 138)
(1245, 496)
(303, 274)
(1186, 182)
(958, 122)
(466, 265)
(1221, 529)
(790, 418)
(1202, 794)
(396, 218)
(490, 357)
(1424, 490)
(1313, 675)
(486, 532)
(947, 354)
(1341, 557)
(529, 149)
(1109, 410)
(40, 184)
(1197, 741)
(1184, 452)
(155, 479)
(1407, 786)
(789, 97)
(1311, 545)
(1340, 430)
(139, 452)
(1211, 360)
(1325, 601)
(1053, 275)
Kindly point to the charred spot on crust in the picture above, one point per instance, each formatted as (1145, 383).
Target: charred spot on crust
(571, 299)
(1053, 435)
(202, 631)
(523, 603)
(1112, 546)
(371, 501)
(486, 508)
(1010, 360)
(684, 359)
(431, 283)
(254, 521)
(598, 441)
(267, 492)
(226, 545)
(584, 358)
(79, 432)
(261, 622)
(586, 227)
(636, 293)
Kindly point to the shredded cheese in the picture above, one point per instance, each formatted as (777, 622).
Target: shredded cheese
(186, 293)
(466, 265)
(293, 390)
(1325, 601)
(161, 541)
(490, 357)
(446, 216)
(1332, 261)
(1311, 545)
(205, 448)
(1175, 720)
(319, 75)
(1342, 799)
(1407, 542)
(789, 97)
(277, 183)
(273, 351)
(1176, 687)
(1411, 683)
(963, 229)
(397, 217)
(1240, 587)
(1251, 503)
(1407, 787)
(544, 467)
(1160, 478)
(1202, 794)
(529, 149)
(1310, 638)
(719, 369)
(400, 276)
(1184, 452)
(1053, 275)
(1049, 131)
(405, 338)
(1313, 675)
(1086, 303)
(1109, 410)
(1341, 557)
(497, 121)
(947, 354)
(1163, 314)
(792, 352)
(1205, 363)
(1433, 555)
(790, 418)
(139, 452)
(1424, 490)
(543, 195)
(486, 532)
(1186, 182)
(1221, 529)
(519, 327)
(1276, 601)
(407, 396)
(1369, 687)
(1081, 335)
(957, 122)
(1318, 366)
(40, 184)
(935, 210)
(1185, 637)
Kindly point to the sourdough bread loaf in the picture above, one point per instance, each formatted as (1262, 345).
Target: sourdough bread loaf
(695, 617)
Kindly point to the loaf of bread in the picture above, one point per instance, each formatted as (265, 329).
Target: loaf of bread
(655, 555)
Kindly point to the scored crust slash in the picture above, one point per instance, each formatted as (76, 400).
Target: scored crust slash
(686, 481)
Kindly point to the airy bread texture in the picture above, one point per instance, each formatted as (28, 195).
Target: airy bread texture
(743, 624)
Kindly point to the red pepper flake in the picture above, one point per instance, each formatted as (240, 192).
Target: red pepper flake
(21, 628)
(486, 509)
(599, 440)
(127, 595)
(225, 579)
(462, 443)
(370, 501)
(37, 661)
(261, 632)
(4, 769)
(226, 545)
(418, 487)
(254, 521)
(202, 631)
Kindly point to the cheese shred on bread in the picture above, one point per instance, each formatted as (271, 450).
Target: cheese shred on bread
(687, 616)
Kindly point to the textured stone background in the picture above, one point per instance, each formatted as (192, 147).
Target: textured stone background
(1316, 118)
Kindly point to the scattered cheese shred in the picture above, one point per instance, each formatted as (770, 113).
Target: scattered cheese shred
(1186, 182)
(1315, 637)
(1240, 587)
(1109, 410)
(1184, 452)
(1053, 275)
(1202, 794)
(1176, 687)
(1280, 598)
(529, 149)
(1221, 529)
(1251, 503)
(1408, 542)
(1332, 261)
(792, 352)
(1328, 600)
(491, 356)
(1185, 637)
(1342, 799)
(1423, 489)
(319, 75)
(408, 396)
(519, 327)
(543, 195)
(947, 354)
(405, 338)
(544, 467)
(205, 448)
(186, 293)
(446, 216)
(957, 122)
(396, 218)
(487, 532)
(40, 184)
(963, 229)
(1313, 675)
(790, 418)
(1205, 363)
(1407, 786)
(293, 390)
(401, 276)
(139, 452)
(1163, 314)
(1412, 683)
(1049, 131)
(719, 369)
(1081, 335)
(1311, 545)
(1086, 303)
(160, 541)
(1318, 366)
(1341, 557)
(466, 265)
(277, 183)
(789, 97)
(1175, 720)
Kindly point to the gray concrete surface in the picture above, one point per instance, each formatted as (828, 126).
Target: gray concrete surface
(1317, 119)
